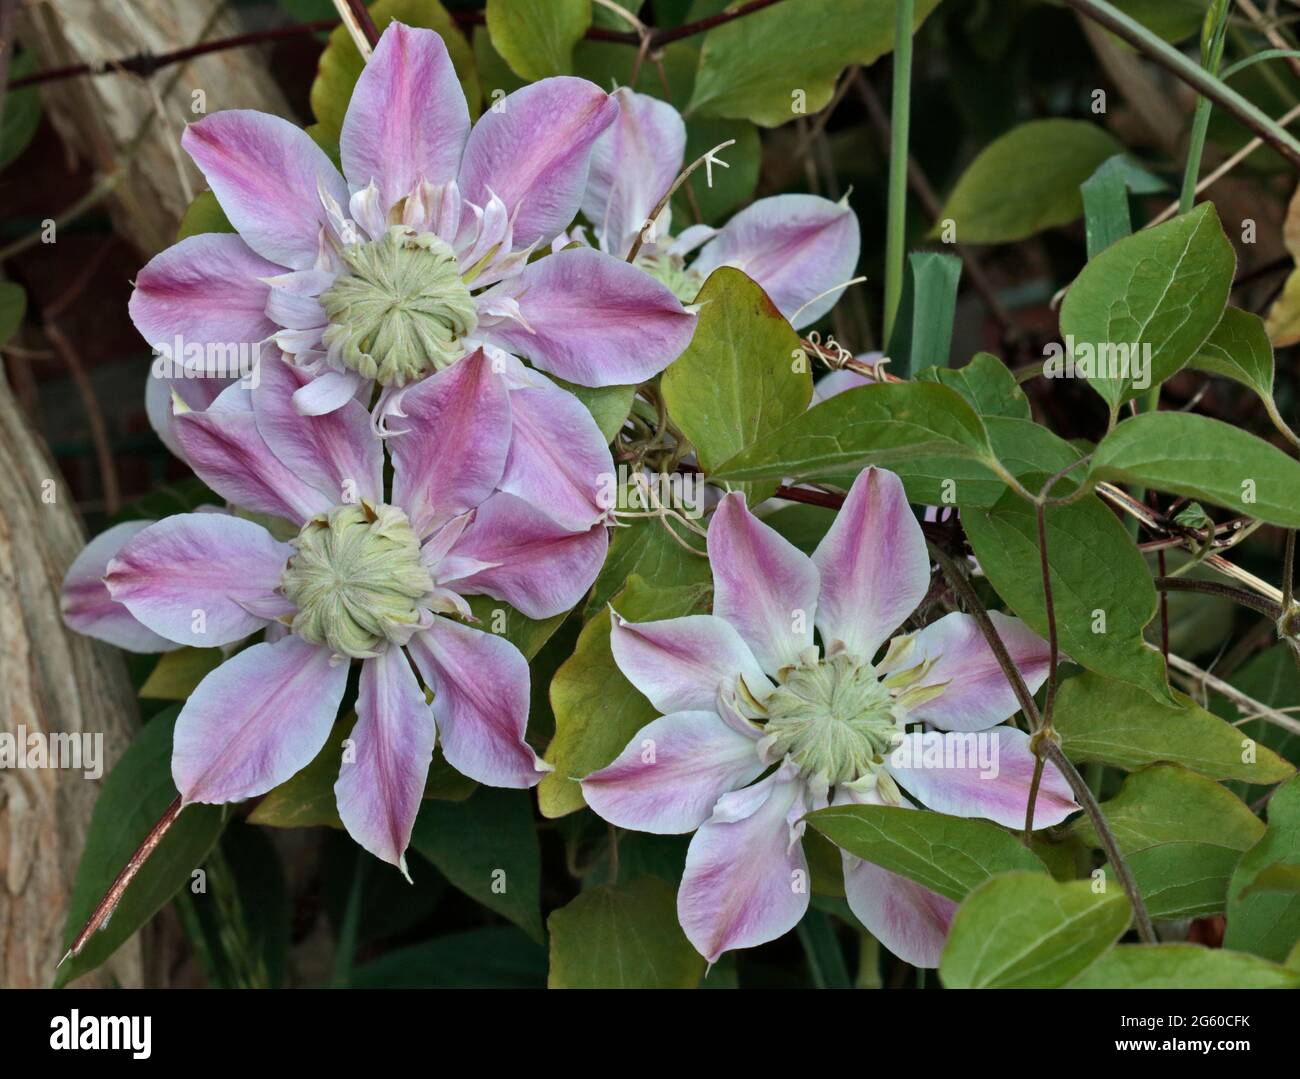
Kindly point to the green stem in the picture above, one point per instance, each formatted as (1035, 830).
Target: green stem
(899, 125)
(345, 950)
(825, 959)
(1211, 57)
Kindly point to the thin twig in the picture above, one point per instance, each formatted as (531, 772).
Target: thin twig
(1253, 708)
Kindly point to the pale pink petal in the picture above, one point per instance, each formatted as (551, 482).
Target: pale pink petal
(202, 579)
(762, 584)
(836, 382)
(225, 448)
(205, 290)
(980, 774)
(338, 453)
(591, 319)
(326, 392)
(455, 436)
(795, 246)
(407, 120)
(906, 917)
(672, 772)
(158, 409)
(533, 152)
(381, 784)
(534, 565)
(256, 720)
(480, 698)
(746, 879)
(873, 564)
(978, 694)
(87, 606)
(633, 164)
(267, 173)
(559, 461)
(680, 663)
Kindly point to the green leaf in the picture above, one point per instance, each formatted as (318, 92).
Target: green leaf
(742, 376)
(949, 855)
(1027, 181)
(1166, 803)
(202, 215)
(1030, 451)
(133, 798)
(1274, 878)
(1267, 923)
(923, 331)
(537, 40)
(608, 405)
(22, 111)
(1182, 966)
(1106, 213)
(1099, 615)
(783, 61)
(987, 383)
(1161, 291)
(1239, 349)
(340, 64)
(1100, 719)
(178, 673)
(1182, 880)
(487, 847)
(1204, 459)
(1027, 931)
(501, 958)
(643, 547)
(13, 307)
(1173, 20)
(622, 937)
(526, 634)
(596, 709)
(926, 433)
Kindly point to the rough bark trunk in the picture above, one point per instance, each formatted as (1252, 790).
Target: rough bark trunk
(51, 680)
(101, 118)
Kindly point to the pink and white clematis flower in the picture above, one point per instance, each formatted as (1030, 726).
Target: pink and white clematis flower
(747, 695)
(419, 253)
(797, 247)
(370, 575)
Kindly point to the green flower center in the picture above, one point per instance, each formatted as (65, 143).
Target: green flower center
(400, 307)
(834, 718)
(356, 579)
(672, 272)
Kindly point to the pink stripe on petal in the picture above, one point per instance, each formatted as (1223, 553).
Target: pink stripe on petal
(379, 790)
(978, 693)
(205, 290)
(338, 453)
(480, 684)
(193, 578)
(267, 173)
(680, 663)
(906, 917)
(536, 566)
(795, 246)
(256, 720)
(85, 601)
(746, 879)
(407, 120)
(980, 774)
(633, 164)
(762, 584)
(533, 153)
(225, 449)
(672, 772)
(559, 461)
(455, 437)
(873, 564)
(591, 319)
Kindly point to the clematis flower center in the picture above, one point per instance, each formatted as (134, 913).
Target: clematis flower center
(356, 579)
(834, 719)
(672, 272)
(400, 307)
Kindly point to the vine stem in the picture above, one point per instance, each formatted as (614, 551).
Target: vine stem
(1173, 61)
(1211, 57)
(899, 132)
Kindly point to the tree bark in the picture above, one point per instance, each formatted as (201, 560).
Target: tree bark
(51, 680)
